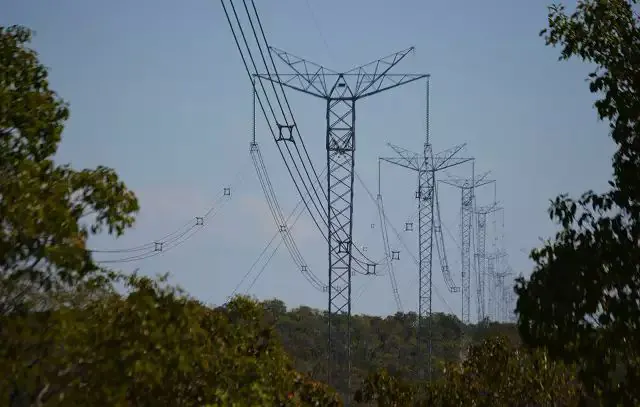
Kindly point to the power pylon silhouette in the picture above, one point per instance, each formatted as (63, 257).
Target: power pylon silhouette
(340, 90)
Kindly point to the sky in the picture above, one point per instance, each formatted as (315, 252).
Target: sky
(157, 91)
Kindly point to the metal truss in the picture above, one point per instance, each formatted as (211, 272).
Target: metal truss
(495, 280)
(426, 165)
(481, 256)
(467, 188)
(340, 91)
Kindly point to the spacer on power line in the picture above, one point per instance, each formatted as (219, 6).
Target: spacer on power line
(157, 246)
(344, 247)
(283, 228)
(395, 255)
(325, 288)
(287, 135)
(373, 226)
(371, 268)
(227, 191)
(304, 268)
(364, 248)
(199, 221)
(408, 227)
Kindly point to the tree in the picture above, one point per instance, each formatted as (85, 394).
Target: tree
(47, 211)
(496, 373)
(153, 345)
(582, 301)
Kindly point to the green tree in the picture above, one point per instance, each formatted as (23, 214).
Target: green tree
(495, 374)
(152, 346)
(47, 210)
(582, 302)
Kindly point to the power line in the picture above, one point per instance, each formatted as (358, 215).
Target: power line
(178, 236)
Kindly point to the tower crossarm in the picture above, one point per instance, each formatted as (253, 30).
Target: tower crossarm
(411, 163)
(487, 209)
(374, 77)
(380, 83)
(317, 80)
(446, 159)
(308, 77)
(310, 84)
(459, 182)
(405, 158)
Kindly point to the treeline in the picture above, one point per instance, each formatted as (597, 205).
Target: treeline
(68, 337)
(154, 345)
(377, 342)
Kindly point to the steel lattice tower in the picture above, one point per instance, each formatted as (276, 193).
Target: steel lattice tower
(467, 188)
(340, 91)
(426, 165)
(496, 279)
(481, 256)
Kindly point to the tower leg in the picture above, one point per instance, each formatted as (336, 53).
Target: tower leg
(425, 243)
(482, 263)
(490, 283)
(340, 163)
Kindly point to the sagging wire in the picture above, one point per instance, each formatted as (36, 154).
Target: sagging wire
(388, 255)
(440, 246)
(178, 236)
(248, 57)
(399, 237)
(288, 122)
(297, 211)
(284, 229)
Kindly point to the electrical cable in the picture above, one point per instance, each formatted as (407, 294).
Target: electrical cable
(299, 210)
(313, 186)
(440, 246)
(271, 108)
(399, 237)
(279, 219)
(316, 23)
(177, 237)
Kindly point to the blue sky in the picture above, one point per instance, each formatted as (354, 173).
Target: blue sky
(157, 91)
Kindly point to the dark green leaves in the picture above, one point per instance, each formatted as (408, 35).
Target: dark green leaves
(47, 211)
(582, 302)
(495, 373)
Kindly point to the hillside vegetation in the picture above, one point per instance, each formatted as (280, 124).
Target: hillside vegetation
(377, 343)
(68, 337)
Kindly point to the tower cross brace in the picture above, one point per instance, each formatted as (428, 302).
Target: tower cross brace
(340, 90)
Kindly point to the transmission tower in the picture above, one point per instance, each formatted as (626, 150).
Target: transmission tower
(495, 273)
(481, 256)
(426, 164)
(340, 90)
(467, 188)
(495, 283)
(503, 308)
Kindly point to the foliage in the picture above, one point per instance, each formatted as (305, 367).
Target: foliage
(68, 337)
(152, 346)
(582, 302)
(47, 211)
(387, 343)
(495, 374)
